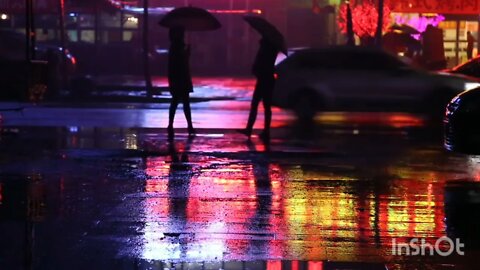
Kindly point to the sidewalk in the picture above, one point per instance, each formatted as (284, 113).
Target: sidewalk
(128, 88)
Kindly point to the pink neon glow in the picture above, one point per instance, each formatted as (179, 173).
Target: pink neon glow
(419, 22)
(235, 11)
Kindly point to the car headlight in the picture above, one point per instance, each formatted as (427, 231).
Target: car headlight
(470, 85)
(453, 105)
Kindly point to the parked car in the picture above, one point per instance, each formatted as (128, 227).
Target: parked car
(13, 65)
(462, 204)
(469, 68)
(361, 79)
(462, 132)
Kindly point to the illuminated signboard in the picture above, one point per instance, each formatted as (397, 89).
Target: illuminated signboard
(311, 3)
(437, 6)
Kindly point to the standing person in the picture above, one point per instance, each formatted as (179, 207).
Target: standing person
(263, 69)
(179, 79)
(470, 41)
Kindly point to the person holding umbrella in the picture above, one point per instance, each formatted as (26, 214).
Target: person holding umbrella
(263, 69)
(179, 78)
(178, 21)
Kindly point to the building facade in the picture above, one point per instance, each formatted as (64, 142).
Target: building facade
(106, 35)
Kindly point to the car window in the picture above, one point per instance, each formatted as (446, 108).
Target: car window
(311, 60)
(348, 60)
(321, 60)
(373, 61)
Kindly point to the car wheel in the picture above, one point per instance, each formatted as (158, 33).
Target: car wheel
(306, 105)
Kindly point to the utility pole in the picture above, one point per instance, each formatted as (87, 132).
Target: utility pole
(28, 30)
(33, 33)
(146, 62)
(230, 36)
(378, 34)
(350, 33)
(63, 40)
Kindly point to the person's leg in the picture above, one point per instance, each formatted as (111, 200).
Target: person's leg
(188, 113)
(267, 106)
(257, 97)
(171, 115)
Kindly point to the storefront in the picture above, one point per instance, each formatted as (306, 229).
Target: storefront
(98, 32)
(458, 17)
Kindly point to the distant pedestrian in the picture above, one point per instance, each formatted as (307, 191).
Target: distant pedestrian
(470, 42)
(263, 69)
(179, 79)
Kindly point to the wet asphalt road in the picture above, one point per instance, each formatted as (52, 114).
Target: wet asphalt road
(102, 188)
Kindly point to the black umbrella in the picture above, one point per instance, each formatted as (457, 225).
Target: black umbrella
(191, 19)
(398, 42)
(404, 28)
(268, 31)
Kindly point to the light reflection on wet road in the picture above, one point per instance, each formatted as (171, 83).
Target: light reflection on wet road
(219, 198)
(340, 191)
(269, 208)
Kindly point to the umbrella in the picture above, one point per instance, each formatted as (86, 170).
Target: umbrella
(399, 42)
(191, 19)
(268, 31)
(404, 28)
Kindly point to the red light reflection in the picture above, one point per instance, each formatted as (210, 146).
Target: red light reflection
(395, 120)
(274, 265)
(315, 265)
(224, 201)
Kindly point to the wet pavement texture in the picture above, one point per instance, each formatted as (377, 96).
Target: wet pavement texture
(102, 188)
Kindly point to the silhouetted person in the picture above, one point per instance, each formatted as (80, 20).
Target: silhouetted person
(433, 48)
(470, 42)
(263, 69)
(179, 78)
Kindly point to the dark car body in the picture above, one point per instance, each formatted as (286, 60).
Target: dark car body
(361, 79)
(462, 131)
(462, 203)
(50, 63)
(469, 68)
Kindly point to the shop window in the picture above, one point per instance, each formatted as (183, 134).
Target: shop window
(130, 21)
(72, 35)
(110, 20)
(86, 20)
(128, 36)
(87, 36)
(45, 34)
(111, 36)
